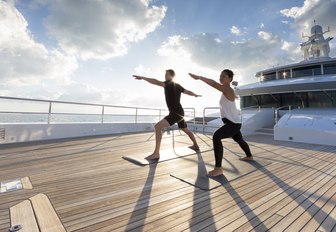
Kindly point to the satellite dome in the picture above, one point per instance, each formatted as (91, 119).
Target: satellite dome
(315, 30)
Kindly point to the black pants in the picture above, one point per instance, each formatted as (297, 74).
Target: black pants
(229, 130)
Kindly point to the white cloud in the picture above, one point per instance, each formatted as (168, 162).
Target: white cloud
(323, 11)
(86, 93)
(268, 36)
(235, 30)
(238, 31)
(297, 12)
(101, 29)
(24, 61)
(81, 92)
(174, 47)
(262, 25)
(244, 57)
(141, 70)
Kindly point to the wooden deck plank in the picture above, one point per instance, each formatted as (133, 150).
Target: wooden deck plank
(316, 203)
(85, 181)
(293, 210)
(266, 212)
(288, 196)
(46, 217)
(329, 223)
(4, 220)
(322, 214)
(229, 220)
(220, 205)
(251, 189)
(23, 214)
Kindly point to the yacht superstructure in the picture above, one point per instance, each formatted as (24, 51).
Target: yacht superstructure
(300, 98)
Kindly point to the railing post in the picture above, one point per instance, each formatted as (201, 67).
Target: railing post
(102, 117)
(204, 120)
(136, 115)
(49, 113)
(194, 116)
(159, 114)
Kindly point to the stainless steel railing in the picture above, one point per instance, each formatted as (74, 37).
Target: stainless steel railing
(276, 111)
(50, 109)
(217, 108)
(204, 110)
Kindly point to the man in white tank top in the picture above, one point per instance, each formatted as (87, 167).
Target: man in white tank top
(230, 116)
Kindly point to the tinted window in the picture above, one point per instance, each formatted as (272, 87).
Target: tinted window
(269, 76)
(307, 71)
(329, 68)
(248, 101)
(284, 74)
(319, 99)
(270, 100)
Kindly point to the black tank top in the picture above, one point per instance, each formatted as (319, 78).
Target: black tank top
(173, 95)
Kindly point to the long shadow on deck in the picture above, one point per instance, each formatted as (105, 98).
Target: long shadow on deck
(242, 205)
(205, 213)
(139, 214)
(298, 197)
(204, 219)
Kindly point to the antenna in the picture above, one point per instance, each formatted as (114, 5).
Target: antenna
(304, 36)
(327, 30)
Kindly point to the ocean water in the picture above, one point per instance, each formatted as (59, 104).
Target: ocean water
(10, 118)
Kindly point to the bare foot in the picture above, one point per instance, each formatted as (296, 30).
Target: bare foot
(216, 172)
(246, 158)
(194, 147)
(153, 156)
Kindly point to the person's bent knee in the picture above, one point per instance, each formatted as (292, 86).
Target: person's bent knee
(216, 136)
(158, 127)
(185, 130)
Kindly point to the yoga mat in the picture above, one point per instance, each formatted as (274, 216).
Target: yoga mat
(233, 169)
(167, 154)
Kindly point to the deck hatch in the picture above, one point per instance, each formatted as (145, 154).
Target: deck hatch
(11, 185)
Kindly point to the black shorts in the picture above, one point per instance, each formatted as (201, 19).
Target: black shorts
(173, 118)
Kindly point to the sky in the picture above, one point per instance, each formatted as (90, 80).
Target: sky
(88, 50)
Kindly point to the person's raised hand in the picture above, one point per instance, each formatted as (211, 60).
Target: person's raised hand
(194, 76)
(137, 77)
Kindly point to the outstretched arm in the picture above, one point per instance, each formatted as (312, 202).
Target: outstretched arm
(150, 80)
(190, 93)
(208, 81)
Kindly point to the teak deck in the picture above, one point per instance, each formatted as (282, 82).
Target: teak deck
(93, 189)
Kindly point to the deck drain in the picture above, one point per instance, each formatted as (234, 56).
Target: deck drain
(15, 228)
(15, 184)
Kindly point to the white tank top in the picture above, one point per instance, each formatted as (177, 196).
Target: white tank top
(229, 110)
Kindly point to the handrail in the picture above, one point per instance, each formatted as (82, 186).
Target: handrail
(194, 110)
(77, 103)
(102, 112)
(250, 107)
(276, 111)
(215, 108)
(207, 108)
